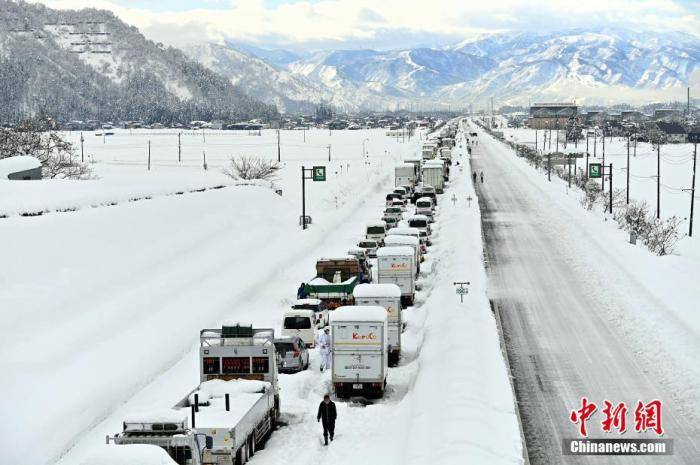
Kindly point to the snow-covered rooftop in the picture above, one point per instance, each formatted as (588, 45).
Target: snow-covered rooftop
(12, 165)
(358, 313)
(394, 251)
(377, 290)
(401, 240)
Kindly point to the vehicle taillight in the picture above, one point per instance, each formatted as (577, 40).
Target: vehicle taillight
(376, 385)
(296, 353)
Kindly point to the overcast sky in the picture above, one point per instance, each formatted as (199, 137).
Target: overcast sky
(382, 24)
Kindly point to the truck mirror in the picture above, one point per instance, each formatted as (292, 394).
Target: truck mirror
(209, 442)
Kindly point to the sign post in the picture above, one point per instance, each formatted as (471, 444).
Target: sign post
(317, 173)
(461, 290)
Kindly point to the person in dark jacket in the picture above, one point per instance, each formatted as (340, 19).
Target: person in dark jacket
(327, 415)
(301, 292)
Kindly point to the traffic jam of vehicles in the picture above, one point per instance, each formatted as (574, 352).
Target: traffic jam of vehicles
(350, 311)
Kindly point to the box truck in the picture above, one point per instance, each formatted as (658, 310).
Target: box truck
(387, 296)
(433, 175)
(405, 175)
(359, 345)
(397, 265)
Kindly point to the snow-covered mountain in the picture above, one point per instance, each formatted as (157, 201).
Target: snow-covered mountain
(88, 64)
(593, 66)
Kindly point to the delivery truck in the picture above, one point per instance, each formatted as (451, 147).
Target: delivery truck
(433, 175)
(359, 346)
(397, 265)
(387, 296)
(232, 412)
(405, 175)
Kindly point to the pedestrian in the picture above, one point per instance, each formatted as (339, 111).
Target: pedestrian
(324, 346)
(474, 177)
(327, 415)
(482, 177)
(301, 292)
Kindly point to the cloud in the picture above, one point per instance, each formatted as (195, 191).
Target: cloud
(308, 25)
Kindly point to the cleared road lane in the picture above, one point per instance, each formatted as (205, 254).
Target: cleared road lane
(556, 316)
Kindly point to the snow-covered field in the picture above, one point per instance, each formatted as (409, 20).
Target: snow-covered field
(103, 305)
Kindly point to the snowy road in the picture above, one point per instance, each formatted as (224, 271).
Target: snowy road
(560, 322)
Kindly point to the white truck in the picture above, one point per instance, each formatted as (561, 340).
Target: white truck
(416, 161)
(233, 411)
(387, 296)
(397, 265)
(359, 345)
(429, 149)
(405, 175)
(398, 240)
(433, 175)
(376, 231)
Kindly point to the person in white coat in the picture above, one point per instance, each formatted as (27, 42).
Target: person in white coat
(324, 344)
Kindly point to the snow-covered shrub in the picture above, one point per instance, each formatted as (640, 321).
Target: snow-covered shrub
(591, 194)
(663, 235)
(252, 167)
(635, 217)
(618, 200)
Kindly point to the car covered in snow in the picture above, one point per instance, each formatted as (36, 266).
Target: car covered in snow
(293, 356)
(369, 246)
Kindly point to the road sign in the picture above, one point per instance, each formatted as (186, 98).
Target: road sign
(319, 173)
(594, 170)
(694, 137)
(462, 290)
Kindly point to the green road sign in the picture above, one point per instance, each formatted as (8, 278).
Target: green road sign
(319, 173)
(594, 170)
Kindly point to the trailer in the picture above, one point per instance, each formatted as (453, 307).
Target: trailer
(387, 296)
(397, 265)
(335, 279)
(231, 413)
(359, 346)
(433, 175)
(405, 175)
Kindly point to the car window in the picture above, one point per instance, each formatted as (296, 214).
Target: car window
(297, 322)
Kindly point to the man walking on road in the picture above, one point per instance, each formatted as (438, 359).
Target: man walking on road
(327, 415)
(324, 345)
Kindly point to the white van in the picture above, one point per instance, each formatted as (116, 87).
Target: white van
(425, 206)
(376, 231)
(420, 222)
(300, 323)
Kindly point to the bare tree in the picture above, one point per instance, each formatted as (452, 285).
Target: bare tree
(39, 138)
(252, 167)
(664, 235)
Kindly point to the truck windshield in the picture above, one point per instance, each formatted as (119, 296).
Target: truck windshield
(368, 245)
(417, 224)
(424, 205)
(297, 322)
(375, 230)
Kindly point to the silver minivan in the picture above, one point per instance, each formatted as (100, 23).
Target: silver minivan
(293, 356)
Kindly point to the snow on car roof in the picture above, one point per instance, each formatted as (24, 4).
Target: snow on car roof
(417, 218)
(377, 224)
(358, 313)
(392, 251)
(425, 199)
(402, 240)
(377, 290)
(405, 231)
(299, 312)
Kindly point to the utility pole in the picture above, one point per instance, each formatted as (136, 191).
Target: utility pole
(692, 191)
(611, 189)
(279, 154)
(602, 178)
(586, 173)
(329, 152)
(658, 180)
(179, 148)
(549, 167)
(595, 144)
(569, 165)
(628, 170)
(204, 157)
(149, 155)
(303, 198)
(82, 151)
(535, 139)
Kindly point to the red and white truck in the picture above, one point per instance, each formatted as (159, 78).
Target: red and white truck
(387, 296)
(397, 265)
